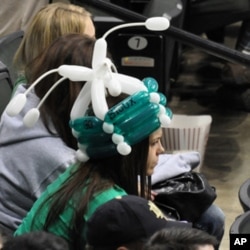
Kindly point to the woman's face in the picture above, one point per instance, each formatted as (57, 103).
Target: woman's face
(155, 148)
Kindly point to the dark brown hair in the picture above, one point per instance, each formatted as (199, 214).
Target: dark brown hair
(128, 172)
(71, 49)
(179, 238)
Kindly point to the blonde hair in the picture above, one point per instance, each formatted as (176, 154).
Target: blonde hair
(51, 22)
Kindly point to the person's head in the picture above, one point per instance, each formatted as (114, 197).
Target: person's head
(181, 239)
(51, 22)
(70, 49)
(124, 128)
(38, 240)
(124, 223)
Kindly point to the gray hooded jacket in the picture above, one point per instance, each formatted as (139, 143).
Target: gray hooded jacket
(30, 159)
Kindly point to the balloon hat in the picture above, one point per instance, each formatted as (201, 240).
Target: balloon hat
(106, 131)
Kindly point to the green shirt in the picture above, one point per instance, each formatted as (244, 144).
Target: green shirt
(34, 221)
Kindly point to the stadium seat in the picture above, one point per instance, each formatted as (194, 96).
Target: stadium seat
(244, 195)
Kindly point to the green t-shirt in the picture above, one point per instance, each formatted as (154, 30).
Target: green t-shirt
(35, 221)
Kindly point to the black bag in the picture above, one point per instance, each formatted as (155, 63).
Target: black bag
(189, 193)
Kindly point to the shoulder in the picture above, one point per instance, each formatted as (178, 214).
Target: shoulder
(103, 197)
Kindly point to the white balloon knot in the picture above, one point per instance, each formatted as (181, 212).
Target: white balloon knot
(108, 128)
(123, 148)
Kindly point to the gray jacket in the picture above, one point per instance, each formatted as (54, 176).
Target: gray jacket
(30, 159)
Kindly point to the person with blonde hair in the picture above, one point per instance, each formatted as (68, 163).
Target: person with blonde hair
(51, 22)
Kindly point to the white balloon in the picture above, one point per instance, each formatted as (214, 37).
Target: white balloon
(98, 98)
(31, 117)
(16, 104)
(123, 148)
(82, 102)
(76, 73)
(108, 128)
(116, 138)
(155, 97)
(129, 85)
(113, 87)
(157, 23)
(99, 53)
(81, 156)
(165, 120)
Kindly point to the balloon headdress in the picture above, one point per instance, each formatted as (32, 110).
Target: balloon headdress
(104, 131)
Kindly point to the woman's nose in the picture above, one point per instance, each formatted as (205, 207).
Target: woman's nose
(161, 149)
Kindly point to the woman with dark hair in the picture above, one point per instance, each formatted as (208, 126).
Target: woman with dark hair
(119, 143)
(72, 49)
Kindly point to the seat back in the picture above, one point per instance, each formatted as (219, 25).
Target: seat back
(5, 87)
(187, 133)
(8, 47)
(244, 195)
(239, 232)
(241, 224)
